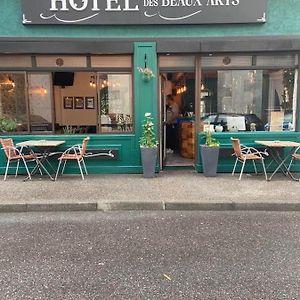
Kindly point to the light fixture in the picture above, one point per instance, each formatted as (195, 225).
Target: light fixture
(43, 91)
(181, 86)
(92, 81)
(8, 84)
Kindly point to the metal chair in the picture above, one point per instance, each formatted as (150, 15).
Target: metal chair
(295, 156)
(77, 153)
(244, 154)
(15, 154)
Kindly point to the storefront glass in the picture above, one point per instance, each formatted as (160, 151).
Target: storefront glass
(64, 100)
(40, 102)
(13, 104)
(249, 99)
(115, 102)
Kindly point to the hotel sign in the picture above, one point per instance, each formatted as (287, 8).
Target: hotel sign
(114, 12)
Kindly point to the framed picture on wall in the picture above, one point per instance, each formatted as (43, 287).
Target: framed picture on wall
(89, 102)
(68, 102)
(79, 103)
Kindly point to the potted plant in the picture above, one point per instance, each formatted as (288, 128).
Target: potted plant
(69, 129)
(210, 155)
(148, 146)
(7, 124)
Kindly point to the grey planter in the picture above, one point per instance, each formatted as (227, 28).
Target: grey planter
(149, 158)
(210, 157)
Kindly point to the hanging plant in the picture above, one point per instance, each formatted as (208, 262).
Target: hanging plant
(147, 73)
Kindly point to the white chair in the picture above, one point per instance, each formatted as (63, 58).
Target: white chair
(244, 154)
(14, 154)
(77, 153)
(295, 156)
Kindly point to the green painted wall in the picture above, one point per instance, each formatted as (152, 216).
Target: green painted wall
(282, 19)
(226, 161)
(126, 163)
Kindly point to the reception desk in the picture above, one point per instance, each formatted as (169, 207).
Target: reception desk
(187, 138)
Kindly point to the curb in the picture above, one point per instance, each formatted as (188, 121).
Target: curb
(34, 207)
(148, 206)
(130, 205)
(234, 206)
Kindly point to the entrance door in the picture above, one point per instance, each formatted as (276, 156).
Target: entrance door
(177, 129)
(162, 123)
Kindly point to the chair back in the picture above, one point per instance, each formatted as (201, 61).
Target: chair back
(236, 146)
(9, 148)
(84, 145)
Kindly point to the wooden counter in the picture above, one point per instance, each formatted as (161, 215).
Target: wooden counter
(187, 139)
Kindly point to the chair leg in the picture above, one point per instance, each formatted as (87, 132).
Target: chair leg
(263, 164)
(242, 170)
(84, 166)
(63, 169)
(6, 170)
(17, 169)
(82, 176)
(234, 167)
(254, 165)
(25, 164)
(57, 170)
(290, 164)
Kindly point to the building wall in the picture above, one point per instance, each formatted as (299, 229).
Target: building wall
(282, 20)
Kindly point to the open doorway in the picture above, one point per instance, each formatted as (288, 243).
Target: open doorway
(178, 119)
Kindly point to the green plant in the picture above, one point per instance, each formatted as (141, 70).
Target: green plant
(68, 129)
(210, 141)
(8, 124)
(146, 72)
(148, 138)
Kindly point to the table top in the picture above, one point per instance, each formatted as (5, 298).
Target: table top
(41, 143)
(279, 144)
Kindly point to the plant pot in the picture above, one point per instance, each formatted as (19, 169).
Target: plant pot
(146, 78)
(210, 157)
(149, 158)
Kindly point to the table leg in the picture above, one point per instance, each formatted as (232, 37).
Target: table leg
(275, 153)
(40, 166)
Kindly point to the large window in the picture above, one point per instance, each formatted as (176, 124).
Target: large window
(65, 99)
(40, 102)
(262, 99)
(115, 102)
(13, 104)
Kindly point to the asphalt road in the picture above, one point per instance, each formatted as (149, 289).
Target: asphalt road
(150, 255)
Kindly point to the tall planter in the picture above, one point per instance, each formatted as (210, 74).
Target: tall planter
(210, 157)
(149, 158)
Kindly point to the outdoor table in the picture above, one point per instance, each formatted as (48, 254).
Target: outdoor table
(45, 147)
(275, 149)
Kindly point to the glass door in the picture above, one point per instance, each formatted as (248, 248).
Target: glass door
(162, 124)
(177, 102)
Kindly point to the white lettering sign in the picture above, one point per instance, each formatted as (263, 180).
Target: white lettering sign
(143, 11)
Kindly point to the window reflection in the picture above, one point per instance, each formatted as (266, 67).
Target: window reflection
(245, 100)
(115, 102)
(13, 106)
(40, 102)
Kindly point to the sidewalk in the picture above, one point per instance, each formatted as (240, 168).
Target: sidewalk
(170, 190)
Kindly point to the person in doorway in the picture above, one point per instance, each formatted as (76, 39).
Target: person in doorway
(172, 126)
